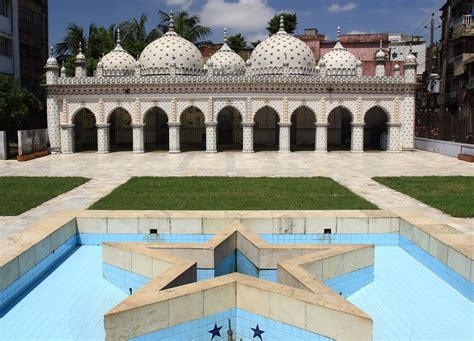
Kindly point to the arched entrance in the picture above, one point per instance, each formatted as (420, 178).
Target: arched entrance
(229, 129)
(193, 130)
(85, 131)
(121, 133)
(339, 130)
(265, 131)
(156, 130)
(303, 134)
(375, 129)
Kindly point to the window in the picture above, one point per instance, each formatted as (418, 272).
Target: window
(6, 47)
(5, 6)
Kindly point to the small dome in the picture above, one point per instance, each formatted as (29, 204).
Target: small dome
(380, 55)
(268, 57)
(160, 55)
(80, 56)
(339, 61)
(226, 60)
(411, 58)
(118, 62)
(396, 67)
(51, 60)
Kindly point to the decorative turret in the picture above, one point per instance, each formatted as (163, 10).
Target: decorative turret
(63, 71)
(359, 69)
(100, 68)
(52, 69)
(396, 70)
(410, 67)
(138, 67)
(286, 65)
(380, 58)
(173, 66)
(81, 71)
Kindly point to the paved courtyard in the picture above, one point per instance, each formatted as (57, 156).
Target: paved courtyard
(351, 170)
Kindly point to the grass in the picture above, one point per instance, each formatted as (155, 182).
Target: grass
(20, 194)
(453, 195)
(231, 193)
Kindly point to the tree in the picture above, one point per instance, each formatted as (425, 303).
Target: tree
(255, 43)
(135, 36)
(237, 42)
(186, 26)
(19, 108)
(290, 23)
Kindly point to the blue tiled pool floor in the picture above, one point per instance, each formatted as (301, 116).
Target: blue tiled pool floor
(68, 304)
(409, 302)
(406, 301)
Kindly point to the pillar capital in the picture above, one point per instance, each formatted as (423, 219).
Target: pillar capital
(394, 124)
(174, 125)
(102, 125)
(137, 125)
(284, 124)
(67, 126)
(210, 124)
(321, 124)
(357, 125)
(248, 124)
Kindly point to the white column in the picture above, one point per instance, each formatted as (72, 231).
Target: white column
(67, 138)
(393, 138)
(357, 137)
(211, 137)
(103, 143)
(284, 138)
(174, 138)
(247, 137)
(321, 138)
(138, 138)
(54, 127)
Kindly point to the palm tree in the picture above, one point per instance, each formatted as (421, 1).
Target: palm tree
(186, 26)
(70, 44)
(135, 36)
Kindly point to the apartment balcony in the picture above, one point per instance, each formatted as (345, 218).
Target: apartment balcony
(463, 26)
(460, 63)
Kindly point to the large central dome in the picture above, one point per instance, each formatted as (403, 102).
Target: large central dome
(270, 55)
(171, 49)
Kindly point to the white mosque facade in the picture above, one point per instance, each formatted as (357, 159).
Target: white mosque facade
(171, 99)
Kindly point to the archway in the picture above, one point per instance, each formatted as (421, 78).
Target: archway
(375, 129)
(303, 130)
(339, 129)
(120, 133)
(85, 131)
(265, 131)
(193, 130)
(156, 130)
(229, 129)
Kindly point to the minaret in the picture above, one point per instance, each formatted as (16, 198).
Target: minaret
(52, 69)
(81, 71)
(410, 67)
(396, 70)
(380, 59)
(138, 67)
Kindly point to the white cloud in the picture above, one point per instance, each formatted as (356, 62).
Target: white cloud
(181, 3)
(338, 8)
(249, 17)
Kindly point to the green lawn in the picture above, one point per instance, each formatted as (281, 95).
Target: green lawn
(19, 194)
(451, 194)
(231, 193)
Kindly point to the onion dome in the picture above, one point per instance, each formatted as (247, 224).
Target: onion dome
(396, 67)
(158, 56)
(411, 58)
(226, 61)
(380, 55)
(268, 57)
(80, 56)
(52, 62)
(339, 61)
(118, 62)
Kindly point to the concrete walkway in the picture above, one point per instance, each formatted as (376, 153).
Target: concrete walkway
(351, 170)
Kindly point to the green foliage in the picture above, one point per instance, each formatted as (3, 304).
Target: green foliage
(237, 42)
(291, 22)
(20, 194)
(186, 26)
(451, 194)
(135, 36)
(19, 108)
(231, 193)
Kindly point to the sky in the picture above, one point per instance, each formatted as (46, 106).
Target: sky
(250, 17)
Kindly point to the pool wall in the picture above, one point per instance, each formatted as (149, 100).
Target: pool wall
(27, 256)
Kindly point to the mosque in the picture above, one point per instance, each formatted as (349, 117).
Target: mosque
(279, 99)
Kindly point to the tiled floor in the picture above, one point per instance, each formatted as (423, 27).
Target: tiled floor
(68, 304)
(351, 170)
(408, 302)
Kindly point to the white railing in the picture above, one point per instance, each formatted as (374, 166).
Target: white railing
(464, 20)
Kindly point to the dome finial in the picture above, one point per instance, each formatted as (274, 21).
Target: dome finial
(381, 45)
(282, 22)
(80, 47)
(118, 36)
(51, 51)
(225, 35)
(171, 26)
(339, 33)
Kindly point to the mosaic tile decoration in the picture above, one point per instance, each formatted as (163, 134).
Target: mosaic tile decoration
(245, 326)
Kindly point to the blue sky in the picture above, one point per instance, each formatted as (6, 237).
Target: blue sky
(250, 17)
